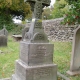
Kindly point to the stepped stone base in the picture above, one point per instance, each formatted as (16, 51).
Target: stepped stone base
(40, 72)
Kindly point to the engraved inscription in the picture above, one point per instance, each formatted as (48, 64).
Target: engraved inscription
(40, 51)
(43, 73)
(40, 54)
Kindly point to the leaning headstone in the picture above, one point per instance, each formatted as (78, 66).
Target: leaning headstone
(36, 53)
(3, 37)
(75, 56)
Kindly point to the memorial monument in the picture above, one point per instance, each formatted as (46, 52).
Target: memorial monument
(36, 53)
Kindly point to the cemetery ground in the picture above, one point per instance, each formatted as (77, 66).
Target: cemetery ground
(62, 55)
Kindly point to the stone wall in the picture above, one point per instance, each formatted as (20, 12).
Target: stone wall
(56, 31)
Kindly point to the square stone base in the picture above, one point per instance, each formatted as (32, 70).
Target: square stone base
(73, 73)
(36, 53)
(40, 72)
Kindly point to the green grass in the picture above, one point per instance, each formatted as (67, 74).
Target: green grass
(62, 55)
(8, 55)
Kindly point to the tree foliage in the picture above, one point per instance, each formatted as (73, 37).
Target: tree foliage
(60, 8)
(71, 1)
(73, 15)
(47, 14)
(14, 7)
(11, 8)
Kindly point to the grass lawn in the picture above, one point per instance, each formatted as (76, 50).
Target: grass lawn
(8, 55)
(62, 56)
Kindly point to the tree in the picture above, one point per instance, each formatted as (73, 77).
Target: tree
(11, 8)
(60, 8)
(14, 7)
(73, 15)
(47, 13)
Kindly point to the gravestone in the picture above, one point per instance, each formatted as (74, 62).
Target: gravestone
(36, 53)
(75, 56)
(3, 37)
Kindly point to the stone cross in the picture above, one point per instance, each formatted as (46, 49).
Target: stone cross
(36, 32)
(36, 53)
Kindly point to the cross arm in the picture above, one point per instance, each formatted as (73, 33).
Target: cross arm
(29, 0)
(44, 2)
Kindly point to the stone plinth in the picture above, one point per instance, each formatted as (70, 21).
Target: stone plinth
(40, 72)
(35, 62)
(36, 53)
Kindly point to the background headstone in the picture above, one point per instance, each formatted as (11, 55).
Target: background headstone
(3, 37)
(75, 56)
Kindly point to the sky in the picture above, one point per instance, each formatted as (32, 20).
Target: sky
(52, 2)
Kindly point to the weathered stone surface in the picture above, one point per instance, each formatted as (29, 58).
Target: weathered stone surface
(3, 40)
(36, 32)
(40, 72)
(35, 62)
(36, 53)
(75, 56)
(4, 32)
